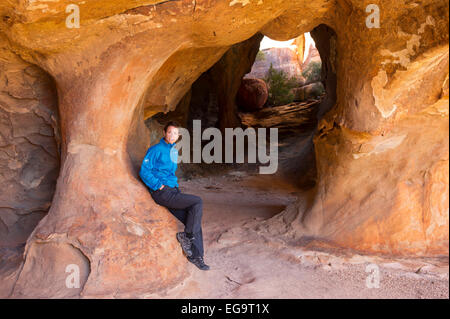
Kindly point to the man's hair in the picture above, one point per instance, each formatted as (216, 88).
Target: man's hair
(171, 123)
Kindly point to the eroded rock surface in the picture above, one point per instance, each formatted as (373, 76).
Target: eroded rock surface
(29, 151)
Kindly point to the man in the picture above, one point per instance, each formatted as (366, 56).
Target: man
(158, 173)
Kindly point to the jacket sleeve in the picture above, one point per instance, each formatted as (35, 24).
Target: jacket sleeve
(146, 169)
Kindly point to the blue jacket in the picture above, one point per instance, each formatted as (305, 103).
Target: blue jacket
(159, 165)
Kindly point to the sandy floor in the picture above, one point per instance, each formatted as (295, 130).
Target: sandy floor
(246, 264)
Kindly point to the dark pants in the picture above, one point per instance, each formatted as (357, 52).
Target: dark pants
(188, 209)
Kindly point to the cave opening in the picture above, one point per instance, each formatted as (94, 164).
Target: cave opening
(235, 92)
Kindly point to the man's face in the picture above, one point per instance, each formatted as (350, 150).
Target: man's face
(171, 134)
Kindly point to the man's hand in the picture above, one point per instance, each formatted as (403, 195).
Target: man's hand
(161, 187)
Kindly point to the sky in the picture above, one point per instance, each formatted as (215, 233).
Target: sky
(269, 43)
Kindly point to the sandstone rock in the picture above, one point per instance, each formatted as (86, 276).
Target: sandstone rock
(291, 117)
(252, 94)
(313, 56)
(29, 151)
(284, 59)
(300, 43)
(212, 96)
(309, 91)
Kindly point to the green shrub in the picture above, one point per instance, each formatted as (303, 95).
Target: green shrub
(260, 56)
(279, 86)
(312, 72)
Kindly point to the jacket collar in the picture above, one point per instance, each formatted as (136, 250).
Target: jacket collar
(162, 140)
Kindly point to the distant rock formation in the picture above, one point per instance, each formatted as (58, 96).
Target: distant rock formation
(313, 56)
(281, 58)
(286, 59)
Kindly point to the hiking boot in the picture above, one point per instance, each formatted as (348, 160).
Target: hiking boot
(185, 242)
(199, 262)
